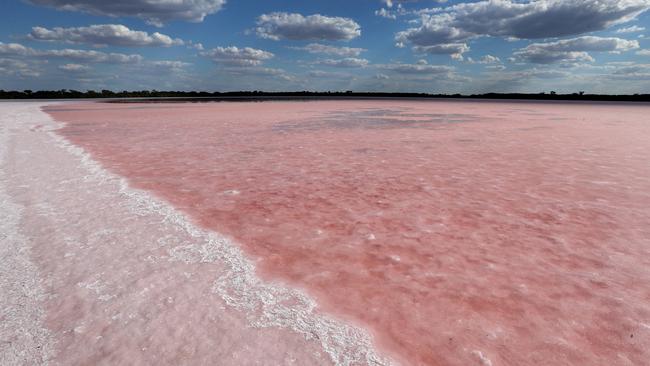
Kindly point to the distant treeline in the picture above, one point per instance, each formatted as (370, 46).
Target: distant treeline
(182, 95)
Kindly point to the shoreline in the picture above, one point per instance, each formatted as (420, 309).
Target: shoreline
(255, 99)
(266, 306)
(297, 95)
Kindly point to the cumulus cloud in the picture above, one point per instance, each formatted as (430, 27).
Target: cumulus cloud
(15, 49)
(318, 48)
(74, 67)
(246, 62)
(104, 35)
(345, 62)
(392, 13)
(7, 63)
(455, 50)
(17, 68)
(385, 13)
(508, 81)
(329, 74)
(629, 71)
(498, 67)
(316, 27)
(632, 69)
(485, 60)
(420, 73)
(234, 56)
(643, 53)
(197, 46)
(170, 65)
(572, 50)
(390, 3)
(419, 68)
(523, 20)
(262, 72)
(156, 12)
(92, 56)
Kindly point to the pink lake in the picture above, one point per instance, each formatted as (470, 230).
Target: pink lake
(456, 233)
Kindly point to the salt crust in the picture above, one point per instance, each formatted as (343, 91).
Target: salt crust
(265, 304)
(24, 340)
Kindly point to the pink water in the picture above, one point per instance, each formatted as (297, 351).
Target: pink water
(459, 233)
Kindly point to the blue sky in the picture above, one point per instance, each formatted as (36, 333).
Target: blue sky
(600, 46)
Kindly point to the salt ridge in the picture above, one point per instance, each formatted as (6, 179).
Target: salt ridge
(265, 304)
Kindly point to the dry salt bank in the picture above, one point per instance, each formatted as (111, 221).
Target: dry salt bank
(93, 271)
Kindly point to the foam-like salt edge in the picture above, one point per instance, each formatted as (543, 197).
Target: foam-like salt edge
(265, 304)
(24, 340)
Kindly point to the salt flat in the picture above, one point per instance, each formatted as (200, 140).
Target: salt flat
(95, 272)
(345, 232)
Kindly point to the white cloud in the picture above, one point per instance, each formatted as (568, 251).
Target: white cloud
(485, 60)
(416, 75)
(262, 72)
(631, 72)
(156, 12)
(170, 65)
(104, 35)
(74, 67)
(497, 67)
(427, 11)
(245, 63)
(92, 56)
(632, 29)
(399, 11)
(17, 68)
(523, 20)
(643, 53)
(7, 63)
(329, 74)
(390, 3)
(318, 48)
(385, 13)
(456, 50)
(15, 49)
(530, 80)
(197, 46)
(572, 50)
(544, 57)
(419, 68)
(234, 56)
(345, 62)
(316, 27)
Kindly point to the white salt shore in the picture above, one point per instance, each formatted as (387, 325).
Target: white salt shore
(95, 272)
(24, 340)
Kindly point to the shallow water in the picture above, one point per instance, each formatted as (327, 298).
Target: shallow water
(458, 233)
